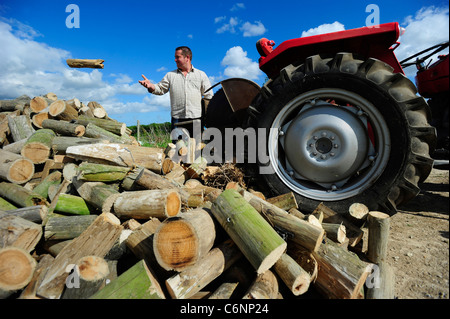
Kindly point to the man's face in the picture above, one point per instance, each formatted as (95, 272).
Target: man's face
(181, 60)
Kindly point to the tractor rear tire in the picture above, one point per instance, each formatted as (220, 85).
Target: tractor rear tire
(373, 117)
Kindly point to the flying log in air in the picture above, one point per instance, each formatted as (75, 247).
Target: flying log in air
(85, 63)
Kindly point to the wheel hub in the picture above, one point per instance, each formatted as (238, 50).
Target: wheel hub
(326, 144)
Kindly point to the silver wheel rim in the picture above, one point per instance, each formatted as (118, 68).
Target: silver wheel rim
(322, 151)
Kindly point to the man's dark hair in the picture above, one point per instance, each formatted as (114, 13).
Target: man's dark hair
(185, 51)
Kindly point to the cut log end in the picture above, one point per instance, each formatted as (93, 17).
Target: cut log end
(21, 171)
(301, 285)
(271, 258)
(173, 205)
(172, 246)
(16, 268)
(93, 268)
(37, 152)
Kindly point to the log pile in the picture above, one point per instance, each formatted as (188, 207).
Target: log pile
(86, 212)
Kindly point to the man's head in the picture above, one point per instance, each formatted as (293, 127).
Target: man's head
(183, 57)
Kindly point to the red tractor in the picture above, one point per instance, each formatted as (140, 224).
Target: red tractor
(432, 82)
(342, 122)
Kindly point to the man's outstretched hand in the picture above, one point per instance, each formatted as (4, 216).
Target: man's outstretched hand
(146, 83)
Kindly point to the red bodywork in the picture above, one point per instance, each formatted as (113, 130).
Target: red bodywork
(376, 42)
(434, 79)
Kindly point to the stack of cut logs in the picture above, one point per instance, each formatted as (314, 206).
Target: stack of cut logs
(86, 212)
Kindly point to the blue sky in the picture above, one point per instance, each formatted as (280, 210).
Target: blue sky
(139, 37)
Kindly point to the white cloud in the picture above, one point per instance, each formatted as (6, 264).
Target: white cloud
(161, 69)
(251, 30)
(219, 19)
(237, 64)
(324, 28)
(230, 26)
(429, 26)
(237, 6)
(34, 68)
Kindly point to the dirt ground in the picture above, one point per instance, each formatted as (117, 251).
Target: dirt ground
(418, 248)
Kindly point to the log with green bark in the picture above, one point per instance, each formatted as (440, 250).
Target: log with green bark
(20, 196)
(6, 205)
(254, 236)
(97, 194)
(94, 131)
(71, 204)
(93, 172)
(38, 146)
(54, 178)
(109, 125)
(67, 227)
(64, 127)
(138, 282)
(35, 214)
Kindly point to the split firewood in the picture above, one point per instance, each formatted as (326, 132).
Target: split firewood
(96, 240)
(341, 273)
(15, 168)
(18, 232)
(16, 270)
(254, 236)
(119, 154)
(30, 290)
(284, 201)
(85, 63)
(181, 241)
(265, 286)
(225, 291)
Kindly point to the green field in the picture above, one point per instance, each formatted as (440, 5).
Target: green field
(152, 135)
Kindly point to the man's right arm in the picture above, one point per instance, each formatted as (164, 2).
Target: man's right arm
(147, 84)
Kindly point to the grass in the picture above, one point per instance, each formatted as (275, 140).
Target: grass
(152, 135)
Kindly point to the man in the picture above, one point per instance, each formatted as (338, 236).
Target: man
(187, 86)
